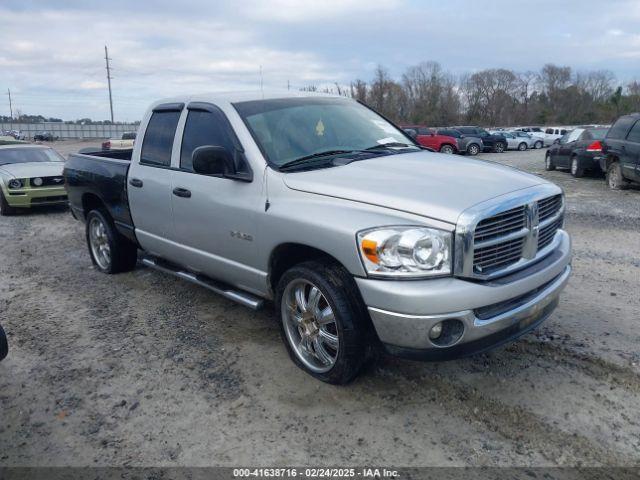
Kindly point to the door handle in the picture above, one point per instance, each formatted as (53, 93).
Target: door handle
(182, 192)
(135, 182)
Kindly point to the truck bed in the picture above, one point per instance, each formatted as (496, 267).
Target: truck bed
(98, 179)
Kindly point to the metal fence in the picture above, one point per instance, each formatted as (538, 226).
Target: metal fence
(70, 130)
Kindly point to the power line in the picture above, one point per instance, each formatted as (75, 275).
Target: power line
(106, 58)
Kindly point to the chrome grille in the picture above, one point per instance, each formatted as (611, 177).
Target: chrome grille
(509, 239)
(548, 232)
(500, 225)
(495, 257)
(548, 207)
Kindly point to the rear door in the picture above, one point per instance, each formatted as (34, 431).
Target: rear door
(149, 181)
(216, 220)
(631, 163)
(567, 145)
(426, 138)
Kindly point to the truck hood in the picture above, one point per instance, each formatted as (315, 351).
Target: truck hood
(432, 185)
(34, 169)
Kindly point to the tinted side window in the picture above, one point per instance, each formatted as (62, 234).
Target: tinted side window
(549, 131)
(620, 128)
(158, 139)
(203, 128)
(634, 134)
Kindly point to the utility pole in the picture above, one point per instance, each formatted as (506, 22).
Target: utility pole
(106, 58)
(10, 109)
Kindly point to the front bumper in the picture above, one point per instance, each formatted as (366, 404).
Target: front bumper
(492, 312)
(35, 196)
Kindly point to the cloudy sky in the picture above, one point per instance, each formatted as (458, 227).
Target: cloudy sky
(52, 52)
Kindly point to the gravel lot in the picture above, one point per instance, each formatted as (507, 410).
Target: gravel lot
(143, 369)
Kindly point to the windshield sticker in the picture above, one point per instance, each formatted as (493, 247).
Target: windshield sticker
(320, 128)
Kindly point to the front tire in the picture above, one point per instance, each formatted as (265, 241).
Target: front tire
(323, 321)
(522, 147)
(110, 252)
(549, 166)
(448, 149)
(5, 209)
(473, 149)
(614, 177)
(576, 168)
(500, 147)
(4, 345)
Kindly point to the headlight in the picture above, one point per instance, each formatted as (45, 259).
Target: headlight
(15, 183)
(405, 251)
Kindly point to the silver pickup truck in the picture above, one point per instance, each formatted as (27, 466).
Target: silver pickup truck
(362, 240)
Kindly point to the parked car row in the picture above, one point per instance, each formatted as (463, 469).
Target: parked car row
(613, 151)
(461, 139)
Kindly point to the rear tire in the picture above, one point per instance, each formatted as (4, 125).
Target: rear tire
(576, 168)
(4, 345)
(549, 166)
(500, 147)
(522, 147)
(473, 149)
(538, 145)
(448, 149)
(330, 338)
(614, 177)
(110, 252)
(5, 209)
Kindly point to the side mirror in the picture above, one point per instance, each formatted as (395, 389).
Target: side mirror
(411, 132)
(213, 160)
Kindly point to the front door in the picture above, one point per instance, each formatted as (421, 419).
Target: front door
(149, 182)
(215, 217)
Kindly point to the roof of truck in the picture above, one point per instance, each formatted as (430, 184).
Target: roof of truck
(244, 96)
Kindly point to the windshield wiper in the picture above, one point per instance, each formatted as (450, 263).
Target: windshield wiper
(314, 156)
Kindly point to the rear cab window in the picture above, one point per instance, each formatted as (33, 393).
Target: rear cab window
(634, 134)
(158, 138)
(619, 129)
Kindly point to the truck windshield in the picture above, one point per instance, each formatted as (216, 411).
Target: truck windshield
(28, 155)
(294, 128)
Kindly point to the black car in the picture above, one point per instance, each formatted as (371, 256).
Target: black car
(578, 150)
(621, 152)
(4, 346)
(44, 137)
(492, 143)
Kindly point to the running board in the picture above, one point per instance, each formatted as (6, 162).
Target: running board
(243, 298)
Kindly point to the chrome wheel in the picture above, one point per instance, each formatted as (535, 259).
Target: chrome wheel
(310, 325)
(522, 147)
(99, 242)
(499, 147)
(473, 150)
(537, 145)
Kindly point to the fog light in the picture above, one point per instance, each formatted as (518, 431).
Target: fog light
(435, 331)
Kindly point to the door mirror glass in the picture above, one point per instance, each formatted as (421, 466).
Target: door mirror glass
(213, 160)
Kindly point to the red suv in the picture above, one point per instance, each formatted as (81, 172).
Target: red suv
(427, 138)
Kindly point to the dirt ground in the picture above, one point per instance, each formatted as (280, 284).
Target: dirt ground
(143, 369)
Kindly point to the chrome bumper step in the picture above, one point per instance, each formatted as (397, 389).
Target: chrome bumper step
(239, 296)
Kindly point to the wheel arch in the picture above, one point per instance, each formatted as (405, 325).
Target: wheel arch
(289, 254)
(91, 201)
